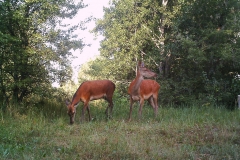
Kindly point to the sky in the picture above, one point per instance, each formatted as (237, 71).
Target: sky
(95, 9)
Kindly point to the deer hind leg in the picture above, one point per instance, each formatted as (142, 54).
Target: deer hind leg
(151, 102)
(155, 99)
(110, 107)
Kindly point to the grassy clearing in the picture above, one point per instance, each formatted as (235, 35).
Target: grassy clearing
(177, 133)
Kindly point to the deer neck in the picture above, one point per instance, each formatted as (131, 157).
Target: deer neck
(137, 82)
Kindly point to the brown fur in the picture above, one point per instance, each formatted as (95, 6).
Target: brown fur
(140, 90)
(88, 91)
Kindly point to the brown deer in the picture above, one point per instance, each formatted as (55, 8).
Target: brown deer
(88, 91)
(140, 89)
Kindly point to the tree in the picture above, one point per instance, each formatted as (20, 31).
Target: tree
(134, 30)
(34, 45)
(124, 35)
(194, 45)
(204, 45)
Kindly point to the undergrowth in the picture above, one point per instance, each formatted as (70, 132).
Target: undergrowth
(188, 132)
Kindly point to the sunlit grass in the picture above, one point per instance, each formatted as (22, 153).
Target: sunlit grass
(189, 132)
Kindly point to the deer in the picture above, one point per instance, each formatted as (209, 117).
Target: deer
(141, 89)
(89, 91)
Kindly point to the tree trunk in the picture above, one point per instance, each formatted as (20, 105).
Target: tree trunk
(163, 66)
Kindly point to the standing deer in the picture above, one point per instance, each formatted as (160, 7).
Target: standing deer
(88, 91)
(140, 89)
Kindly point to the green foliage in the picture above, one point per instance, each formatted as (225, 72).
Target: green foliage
(125, 27)
(204, 50)
(194, 46)
(34, 46)
(96, 69)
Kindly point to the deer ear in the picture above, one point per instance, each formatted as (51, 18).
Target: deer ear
(67, 102)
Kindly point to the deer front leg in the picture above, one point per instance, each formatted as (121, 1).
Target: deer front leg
(140, 108)
(89, 114)
(131, 104)
(85, 106)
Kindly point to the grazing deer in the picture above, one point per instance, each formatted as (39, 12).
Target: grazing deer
(140, 89)
(88, 91)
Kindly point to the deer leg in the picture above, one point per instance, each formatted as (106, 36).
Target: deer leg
(151, 102)
(155, 99)
(131, 104)
(106, 112)
(89, 114)
(85, 106)
(110, 107)
(140, 108)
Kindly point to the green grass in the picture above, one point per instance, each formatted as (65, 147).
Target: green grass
(193, 132)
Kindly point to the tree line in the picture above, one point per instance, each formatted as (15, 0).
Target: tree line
(193, 46)
(34, 46)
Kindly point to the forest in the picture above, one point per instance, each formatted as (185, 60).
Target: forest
(192, 45)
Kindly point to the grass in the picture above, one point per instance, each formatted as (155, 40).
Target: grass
(194, 132)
